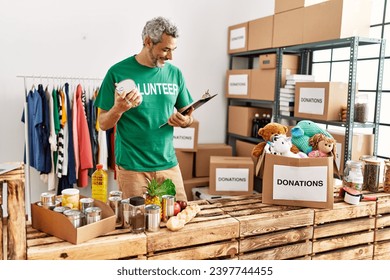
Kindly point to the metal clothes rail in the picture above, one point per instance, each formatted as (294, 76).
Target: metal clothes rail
(40, 77)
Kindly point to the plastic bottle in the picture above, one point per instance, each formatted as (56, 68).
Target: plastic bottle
(256, 125)
(99, 184)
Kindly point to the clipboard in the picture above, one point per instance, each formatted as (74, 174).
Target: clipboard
(203, 100)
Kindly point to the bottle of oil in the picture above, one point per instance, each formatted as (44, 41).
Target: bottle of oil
(99, 184)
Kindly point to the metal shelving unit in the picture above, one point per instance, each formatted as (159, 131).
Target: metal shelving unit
(305, 51)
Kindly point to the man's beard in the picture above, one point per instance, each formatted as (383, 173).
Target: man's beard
(156, 62)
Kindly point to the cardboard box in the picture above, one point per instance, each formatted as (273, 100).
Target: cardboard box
(240, 119)
(205, 151)
(244, 149)
(238, 38)
(186, 139)
(286, 5)
(320, 100)
(263, 82)
(336, 19)
(362, 144)
(189, 184)
(268, 61)
(260, 33)
(58, 224)
(288, 28)
(186, 163)
(231, 175)
(238, 83)
(306, 182)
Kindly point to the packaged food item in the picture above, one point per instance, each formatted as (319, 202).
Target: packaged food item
(99, 184)
(152, 217)
(353, 175)
(138, 214)
(371, 174)
(71, 198)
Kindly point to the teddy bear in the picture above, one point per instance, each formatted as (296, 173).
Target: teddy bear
(301, 133)
(266, 134)
(322, 145)
(281, 145)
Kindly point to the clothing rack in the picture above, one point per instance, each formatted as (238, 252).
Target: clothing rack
(40, 77)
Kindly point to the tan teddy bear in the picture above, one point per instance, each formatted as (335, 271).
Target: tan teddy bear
(266, 133)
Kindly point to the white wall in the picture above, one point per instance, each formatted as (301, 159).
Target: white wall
(77, 38)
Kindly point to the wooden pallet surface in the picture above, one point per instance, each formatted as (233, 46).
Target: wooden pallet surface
(344, 227)
(361, 252)
(382, 250)
(212, 229)
(275, 239)
(274, 221)
(201, 252)
(285, 252)
(342, 241)
(344, 211)
(103, 247)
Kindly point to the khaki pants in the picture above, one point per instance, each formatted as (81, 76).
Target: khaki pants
(133, 183)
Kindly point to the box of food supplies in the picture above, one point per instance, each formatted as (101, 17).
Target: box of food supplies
(57, 224)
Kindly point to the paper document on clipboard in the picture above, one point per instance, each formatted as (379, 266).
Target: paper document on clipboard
(204, 99)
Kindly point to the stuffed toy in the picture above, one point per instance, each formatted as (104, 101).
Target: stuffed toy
(281, 145)
(322, 145)
(266, 133)
(301, 133)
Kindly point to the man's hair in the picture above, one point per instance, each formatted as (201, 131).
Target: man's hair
(156, 27)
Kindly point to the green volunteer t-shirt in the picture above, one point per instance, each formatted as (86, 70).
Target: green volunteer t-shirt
(140, 144)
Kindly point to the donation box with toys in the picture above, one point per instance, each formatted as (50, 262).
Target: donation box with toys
(306, 182)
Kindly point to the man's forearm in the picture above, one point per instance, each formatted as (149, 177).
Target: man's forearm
(108, 119)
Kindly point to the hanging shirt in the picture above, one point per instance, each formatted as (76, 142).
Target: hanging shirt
(85, 150)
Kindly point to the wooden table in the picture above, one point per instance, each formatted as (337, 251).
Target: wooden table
(243, 228)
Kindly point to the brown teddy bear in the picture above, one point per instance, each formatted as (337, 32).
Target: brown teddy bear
(266, 133)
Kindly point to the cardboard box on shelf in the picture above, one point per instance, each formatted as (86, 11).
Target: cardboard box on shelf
(288, 28)
(186, 163)
(320, 100)
(336, 19)
(286, 5)
(238, 83)
(238, 38)
(240, 119)
(205, 151)
(304, 182)
(260, 33)
(268, 61)
(59, 225)
(244, 149)
(362, 144)
(231, 175)
(263, 81)
(186, 139)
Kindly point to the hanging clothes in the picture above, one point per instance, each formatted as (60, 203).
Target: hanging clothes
(37, 129)
(69, 179)
(85, 150)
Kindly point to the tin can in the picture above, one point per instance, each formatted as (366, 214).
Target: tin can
(76, 217)
(61, 209)
(115, 193)
(115, 204)
(152, 217)
(168, 207)
(86, 202)
(93, 214)
(126, 208)
(48, 200)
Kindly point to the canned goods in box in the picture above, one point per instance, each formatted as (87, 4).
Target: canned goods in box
(70, 198)
(93, 214)
(86, 202)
